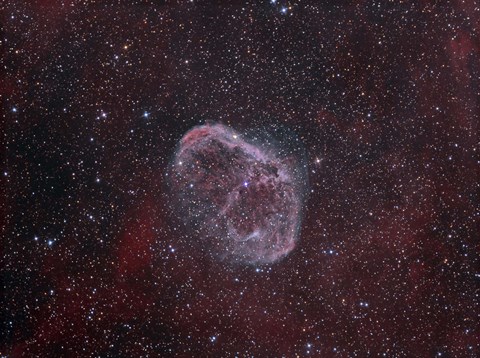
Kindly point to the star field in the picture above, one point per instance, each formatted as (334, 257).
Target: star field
(383, 97)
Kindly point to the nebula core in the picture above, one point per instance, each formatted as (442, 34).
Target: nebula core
(242, 198)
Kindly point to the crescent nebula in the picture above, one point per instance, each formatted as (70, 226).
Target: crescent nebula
(241, 198)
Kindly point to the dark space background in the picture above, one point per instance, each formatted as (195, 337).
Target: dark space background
(385, 97)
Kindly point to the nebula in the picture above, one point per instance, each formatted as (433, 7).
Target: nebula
(241, 197)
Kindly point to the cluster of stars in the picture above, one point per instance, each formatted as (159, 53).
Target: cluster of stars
(375, 107)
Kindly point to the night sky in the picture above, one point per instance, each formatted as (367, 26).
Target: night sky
(376, 102)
